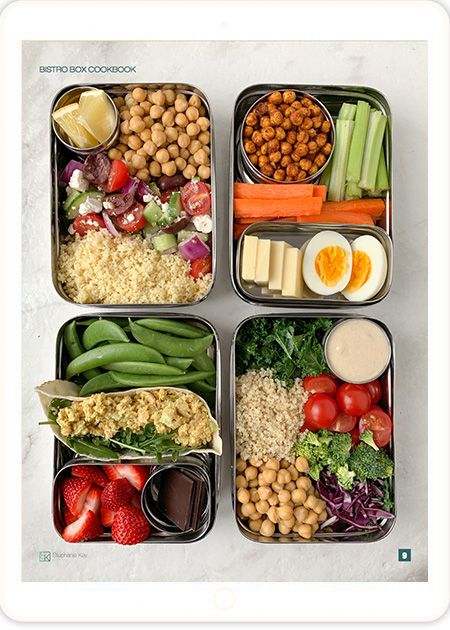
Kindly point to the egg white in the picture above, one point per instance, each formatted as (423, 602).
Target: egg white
(326, 238)
(376, 252)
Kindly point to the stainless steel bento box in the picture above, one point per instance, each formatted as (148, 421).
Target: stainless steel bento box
(332, 97)
(387, 381)
(59, 153)
(64, 457)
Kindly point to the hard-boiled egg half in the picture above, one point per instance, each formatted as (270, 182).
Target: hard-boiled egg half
(368, 271)
(327, 263)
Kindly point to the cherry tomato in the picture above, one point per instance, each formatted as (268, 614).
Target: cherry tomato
(201, 266)
(321, 384)
(321, 411)
(196, 198)
(379, 423)
(355, 436)
(117, 177)
(375, 391)
(343, 423)
(84, 223)
(132, 220)
(353, 399)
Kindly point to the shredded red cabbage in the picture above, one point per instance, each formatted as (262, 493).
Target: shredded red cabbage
(355, 509)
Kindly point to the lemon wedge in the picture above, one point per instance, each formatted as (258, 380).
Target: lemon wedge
(97, 114)
(69, 120)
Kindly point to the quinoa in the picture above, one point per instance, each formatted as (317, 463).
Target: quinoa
(269, 416)
(102, 269)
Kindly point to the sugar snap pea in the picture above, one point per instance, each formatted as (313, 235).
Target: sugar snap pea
(140, 367)
(173, 326)
(204, 363)
(112, 352)
(169, 345)
(103, 330)
(203, 386)
(141, 380)
(74, 347)
(102, 383)
(183, 364)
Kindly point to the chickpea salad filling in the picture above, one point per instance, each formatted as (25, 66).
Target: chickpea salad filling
(314, 452)
(150, 186)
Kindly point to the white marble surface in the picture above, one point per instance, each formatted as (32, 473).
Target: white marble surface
(222, 70)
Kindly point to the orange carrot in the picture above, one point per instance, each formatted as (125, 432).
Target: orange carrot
(237, 230)
(374, 207)
(277, 207)
(272, 191)
(251, 220)
(320, 190)
(358, 218)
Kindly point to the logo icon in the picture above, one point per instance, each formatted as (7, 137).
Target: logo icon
(404, 555)
(45, 556)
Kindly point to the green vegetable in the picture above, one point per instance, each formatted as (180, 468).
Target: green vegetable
(173, 326)
(103, 330)
(142, 380)
(325, 177)
(368, 463)
(388, 500)
(74, 346)
(168, 344)
(289, 347)
(352, 191)
(345, 477)
(204, 363)
(175, 203)
(141, 367)
(154, 188)
(367, 437)
(69, 201)
(325, 449)
(356, 153)
(344, 130)
(182, 364)
(152, 213)
(72, 210)
(102, 383)
(382, 180)
(203, 387)
(110, 353)
(372, 150)
(55, 405)
(347, 111)
(163, 242)
(85, 446)
(186, 235)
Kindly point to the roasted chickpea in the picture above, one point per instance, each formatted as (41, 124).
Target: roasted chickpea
(248, 131)
(285, 148)
(312, 147)
(251, 120)
(307, 123)
(316, 111)
(267, 170)
(302, 150)
(292, 170)
(285, 161)
(253, 157)
(313, 170)
(289, 96)
(268, 133)
(265, 122)
(286, 124)
(301, 175)
(291, 137)
(276, 98)
(261, 109)
(275, 157)
(325, 127)
(326, 150)
(296, 117)
(320, 160)
(305, 164)
(311, 519)
(280, 133)
(262, 160)
(257, 138)
(279, 175)
(275, 119)
(317, 122)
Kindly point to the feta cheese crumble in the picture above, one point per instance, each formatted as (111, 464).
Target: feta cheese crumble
(78, 181)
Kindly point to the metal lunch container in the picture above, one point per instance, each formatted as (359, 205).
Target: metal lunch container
(298, 234)
(61, 154)
(254, 175)
(69, 96)
(387, 382)
(208, 463)
(332, 97)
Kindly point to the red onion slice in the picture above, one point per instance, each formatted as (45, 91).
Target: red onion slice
(109, 224)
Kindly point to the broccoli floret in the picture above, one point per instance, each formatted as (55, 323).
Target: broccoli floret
(338, 450)
(345, 477)
(367, 437)
(370, 464)
(322, 449)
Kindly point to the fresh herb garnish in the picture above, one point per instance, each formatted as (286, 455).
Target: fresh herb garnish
(54, 407)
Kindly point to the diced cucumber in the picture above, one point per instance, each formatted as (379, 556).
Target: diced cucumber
(154, 188)
(163, 242)
(152, 213)
(73, 210)
(185, 235)
(150, 230)
(175, 203)
(70, 199)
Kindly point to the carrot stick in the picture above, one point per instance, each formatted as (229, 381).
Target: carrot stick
(251, 220)
(357, 218)
(320, 190)
(374, 207)
(272, 191)
(277, 207)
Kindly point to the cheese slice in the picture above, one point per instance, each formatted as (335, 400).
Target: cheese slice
(249, 253)
(292, 273)
(277, 253)
(262, 262)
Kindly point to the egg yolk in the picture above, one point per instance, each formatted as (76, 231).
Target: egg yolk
(361, 270)
(331, 264)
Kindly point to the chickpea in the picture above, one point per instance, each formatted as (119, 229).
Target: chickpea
(284, 496)
(155, 169)
(320, 160)
(169, 168)
(125, 127)
(184, 153)
(267, 170)
(307, 123)
(204, 172)
(145, 135)
(290, 486)
(203, 123)
(157, 126)
(254, 495)
(298, 496)
(119, 101)
(269, 475)
(300, 513)
(173, 150)
(150, 147)
(268, 133)
(249, 146)
(201, 157)
(134, 142)
(296, 117)
(289, 96)
(248, 131)
(285, 161)
(180, 163)
(114, 154)
(273, 146)
(312, 146)
(262, 507)
(148, 121)
(275, 157)
(171, 134)
(138, 161)
(276, 98)
(204, 137)
(180, 103)
(241, 464)
(305, 164)
(158, 98)
(130, 101)
(183, 140)
(323, 516)
(283, 528)
(311, 518)
(251, 473)
(313, 170)
(293, 471)
(253, 483)
(277, 486)
(243, 495)
(192, 113)
(143, 174)
(280, 133)
(139, 94)
(326, 126)
(273, 464)
(145, 106)
(248, 509)
(241, 481)
(273, 499)
(170, 96)
(255, 525)
(326, 150)
(273, 515)
(305, 531)
(285, 148)
(257, 138)
(158, 137)
(137, 110)
(279, 174)
(304, 482)
(192, 129)
(156, 111)
(265, 493)
(167, 119)
(261, 481)
(267, 528)
(181, 120)
(136, 124)
(320, 506)
(125, 115)
(284, 476)
(275, 119)
(285, 512)
(264, 121)
(122, 147)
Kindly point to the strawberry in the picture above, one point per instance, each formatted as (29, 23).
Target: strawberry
(130, 526)
(107, 516)
(117, 493)
(87, 527)
(92, 473)
(75, 492)
(136, 475)
(68, 516)
(93, 500)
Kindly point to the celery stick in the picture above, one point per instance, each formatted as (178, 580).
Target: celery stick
(325, 177)
(382, 180)
(342, 142)
(352, 191)
(347, 111)
(355, 157)
(372, 149)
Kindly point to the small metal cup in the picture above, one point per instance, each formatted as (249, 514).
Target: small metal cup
(71, 96)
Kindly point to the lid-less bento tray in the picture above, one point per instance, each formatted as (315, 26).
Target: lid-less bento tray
(387, 381)
(59, 155)
(332, 96)
(64, 457)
